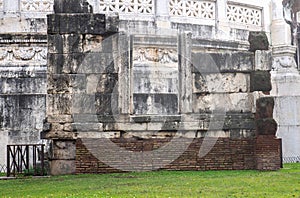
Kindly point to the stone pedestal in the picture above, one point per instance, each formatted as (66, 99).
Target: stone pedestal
(72, 31)
(286, 90)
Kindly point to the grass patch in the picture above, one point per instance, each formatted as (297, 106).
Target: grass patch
(283, 183)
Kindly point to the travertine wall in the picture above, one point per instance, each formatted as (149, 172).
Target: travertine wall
(164, 100)
(22, 89)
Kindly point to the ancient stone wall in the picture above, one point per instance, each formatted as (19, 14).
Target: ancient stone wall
(22, 89)
(167, 100)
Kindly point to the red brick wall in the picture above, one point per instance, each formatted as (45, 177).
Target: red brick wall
(268, 152)
(227, 154)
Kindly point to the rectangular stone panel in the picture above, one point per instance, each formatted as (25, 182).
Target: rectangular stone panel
(166, 104)
(65, 43)
(222, 83)
(260, 81)
(59, 104)
(222, 62)
(235, 102)
(82, 63)
(63, 150)
(23, 85)
(26, 110)
(107, 104)
(66, 83)
(79, 43)
(76, 24)
(102, 83)
(72, 6)
(155, 85)
(84, 104)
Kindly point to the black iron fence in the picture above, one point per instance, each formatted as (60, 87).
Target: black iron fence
(291, 159)
(2, 168)
(25, 159)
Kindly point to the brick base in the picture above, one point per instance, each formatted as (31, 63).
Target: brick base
(227, 154)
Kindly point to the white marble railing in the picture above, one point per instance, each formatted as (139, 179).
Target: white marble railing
(244, 15)
(127, 7)
(36, 6)
(192, 8)
(204, 12)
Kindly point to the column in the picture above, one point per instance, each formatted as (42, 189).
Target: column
(162, 14)
(285, 82)
(222, 25)
(11, 8)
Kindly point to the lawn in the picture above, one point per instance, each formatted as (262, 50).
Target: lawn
(283, 183)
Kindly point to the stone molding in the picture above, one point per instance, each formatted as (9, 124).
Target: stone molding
(23, 49)
(284, 58)
(23, 54)
(156, 55)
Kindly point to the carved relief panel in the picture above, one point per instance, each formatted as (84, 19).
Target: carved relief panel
(155, 81)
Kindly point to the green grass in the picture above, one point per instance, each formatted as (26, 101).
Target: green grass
(283, 183)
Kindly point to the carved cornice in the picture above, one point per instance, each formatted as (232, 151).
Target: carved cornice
(158, 55)
(26, 39)
(285, 50)
(16, 55)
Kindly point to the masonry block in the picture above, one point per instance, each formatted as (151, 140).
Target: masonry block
(260, 81)
(72, 6)
(77, 24)
(265, 107)
(222, 62)
(258, 41)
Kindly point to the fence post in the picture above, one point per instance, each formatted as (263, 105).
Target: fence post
(42, 160)
(8, 161)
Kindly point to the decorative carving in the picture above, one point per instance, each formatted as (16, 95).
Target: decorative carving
(24, 53)
(244, 15)
(192, 8)
(37, 5)
(3, 53)
(284, 62)
(17, 54)
(156, 55)
(127, 6)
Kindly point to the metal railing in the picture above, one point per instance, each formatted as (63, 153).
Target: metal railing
(2, 168)
(25, 159)
(291, 159)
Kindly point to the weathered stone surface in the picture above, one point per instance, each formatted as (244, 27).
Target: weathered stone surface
(77, 24)
(29, 85)
(102, 83)
(264, 107)
(82, 63)
(63, 150)
(62, 167)
(26, 110)
(266, 126)
(263, 60)
(235, 102)
(106, 104)
(92, 72)
(222, 83)
(258, 41)
(72, 6)
(59, 104)
(155, 104)
(62, 83)
(155, 82)
(222, 62)
(65, 43)
(260, 81)
(87, 127)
